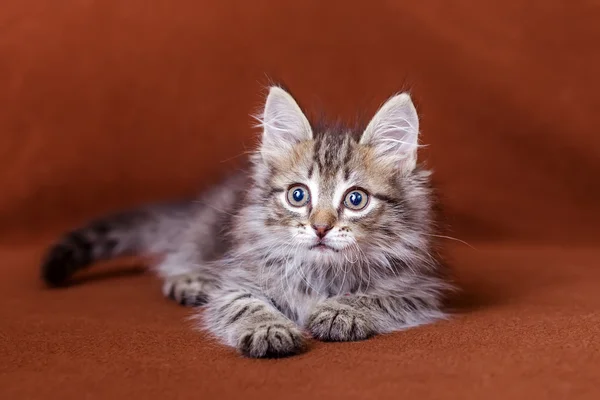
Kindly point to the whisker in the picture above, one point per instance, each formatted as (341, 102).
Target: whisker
(451, 238)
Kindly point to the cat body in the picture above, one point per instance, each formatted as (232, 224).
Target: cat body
(328, 232)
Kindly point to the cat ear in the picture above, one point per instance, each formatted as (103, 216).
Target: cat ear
(284, 124)
(393, 132)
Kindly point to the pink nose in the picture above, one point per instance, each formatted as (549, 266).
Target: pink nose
(321, 230)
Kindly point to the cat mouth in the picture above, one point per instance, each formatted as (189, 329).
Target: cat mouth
(320, 246)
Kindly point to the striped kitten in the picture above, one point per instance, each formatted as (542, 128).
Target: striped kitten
(327, 233)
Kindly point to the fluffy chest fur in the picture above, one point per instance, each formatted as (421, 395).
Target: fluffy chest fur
(294, 281)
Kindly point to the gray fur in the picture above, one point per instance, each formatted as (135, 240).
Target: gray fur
(252, 259)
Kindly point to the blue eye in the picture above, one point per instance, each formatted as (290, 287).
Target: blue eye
(356, 199)
(298, 195)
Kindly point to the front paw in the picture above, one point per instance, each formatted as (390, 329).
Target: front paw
(188, 290)
(339, 323)
(271, 340)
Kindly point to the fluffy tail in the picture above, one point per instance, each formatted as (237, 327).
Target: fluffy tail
(151, 230)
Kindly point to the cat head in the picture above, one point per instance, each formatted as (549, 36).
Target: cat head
(330, 193)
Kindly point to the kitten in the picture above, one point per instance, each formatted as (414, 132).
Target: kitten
(328, 232)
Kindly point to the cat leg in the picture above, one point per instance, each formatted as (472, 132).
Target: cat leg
(187, 280)
(191, 289)
(357, 317)
(339, 320)
(252, 325)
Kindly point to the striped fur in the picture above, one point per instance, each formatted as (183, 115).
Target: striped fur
(269, 272)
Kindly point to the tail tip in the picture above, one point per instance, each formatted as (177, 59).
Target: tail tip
(58, 265)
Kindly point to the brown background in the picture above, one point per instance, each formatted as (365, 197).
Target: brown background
(106, 104)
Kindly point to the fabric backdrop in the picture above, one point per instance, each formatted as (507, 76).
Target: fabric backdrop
(109, 104)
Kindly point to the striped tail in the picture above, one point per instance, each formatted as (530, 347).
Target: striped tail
(153, 230)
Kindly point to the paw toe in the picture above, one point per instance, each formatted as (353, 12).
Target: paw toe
(271, 341)
(186, 291)
(339, 325)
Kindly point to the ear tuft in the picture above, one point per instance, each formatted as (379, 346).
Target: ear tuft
(393, 132)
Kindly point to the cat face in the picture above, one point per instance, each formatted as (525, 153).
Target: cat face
(331, 193)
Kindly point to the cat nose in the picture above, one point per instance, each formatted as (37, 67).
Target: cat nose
(321, 230)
